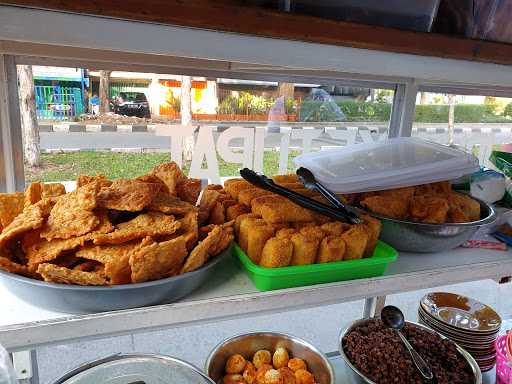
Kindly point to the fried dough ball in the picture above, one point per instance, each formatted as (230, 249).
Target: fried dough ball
(261, 357)
(233, 379)
(272, 376)
(260, 373)
(250, 373)
(287, 375)
(280, 358)
(304, 377)
(295, 364)
(235, 364)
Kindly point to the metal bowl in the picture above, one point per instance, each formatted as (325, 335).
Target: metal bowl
(248, 344)
(410, 236)
(88, 299)
(360, 378)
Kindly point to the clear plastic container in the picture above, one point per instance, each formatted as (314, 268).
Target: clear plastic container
(394, 163)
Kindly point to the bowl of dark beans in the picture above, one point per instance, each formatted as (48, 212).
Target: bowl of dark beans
(374, 354)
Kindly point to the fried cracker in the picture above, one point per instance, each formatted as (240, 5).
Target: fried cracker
(72, 214)
(208, 201)
(128, 195)
(11, 205)
(152, 260)
(146, 224)
(12, 267)
(190, 229)
(188, 189)
(33, 193)
(201, 253)
(165, 203)
(101, 180)
(217, 215)
(53, 190)
(169, 174)
(31, 218)
(236, 210)
(55, 274)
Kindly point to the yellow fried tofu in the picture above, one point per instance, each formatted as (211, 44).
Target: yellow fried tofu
(246, 226)
(286, 232)
(235, 186)
(429, 209)
(286, 212)
(290, 178)
(355, 240)
(312, 231)
(334, 228)
(249, 194)
(332, 248)
(393, 208)
(466, 204)
(240, 218)
(373, 227)
(259, 202)
(257, 236)
(305, 249)
(236, 210)
(276, 253)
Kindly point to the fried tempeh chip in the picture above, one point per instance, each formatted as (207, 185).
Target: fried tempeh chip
(189, 189)
(10, 266)
(170, 174)
(172, 205)
(152, 260)
(31, 218)
(208, 201)
(146, 224)
(236, 210)
(37, 191)
(190, 229)
(128, 195)
(11, 205)
(55, 274)
(100, 180)
(201, 253)
(217, 214)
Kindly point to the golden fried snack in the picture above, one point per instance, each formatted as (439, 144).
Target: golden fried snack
(285, 212)
(31, 218)
(261, 357)
(248, 195)
(276, 253)
(259, 202)
(170, 174)
(246, 226)
(101, 180)
(226, 237)
(295, 364)
(45, 251)
(287, 375)
(53, 190)
(234, 186)
(261, 371)
(290, 178)
(217, 215)
(11, 205)
(236, 210)
(152, 260)
(228, 203)
(190, 228)
(312, 231)
(405, 193)
(33, 193)
(280, 358)
(249, 373)
(305, 249)
(233, 378)
(208, 200)
(128, 195)
(235, 364)
(466, 204)
(55, 274)
(171, 205)
(429, 209)
(334, 228)
(10, 266)
(258, 234)
(355, 240)
(440, 188)
(394, 208)
(146, 224)
(373, 227)
(201, 253)
(332, 248)
(304, 377)
(273, 376)
(240, 219)
(286, 233)
(188, 189)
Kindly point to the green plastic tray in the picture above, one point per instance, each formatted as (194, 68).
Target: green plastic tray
(269, 279)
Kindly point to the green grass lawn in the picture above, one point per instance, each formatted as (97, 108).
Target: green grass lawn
(67, 166)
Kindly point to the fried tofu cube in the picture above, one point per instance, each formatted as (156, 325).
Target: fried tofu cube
(332, 248)
(276, 253)
(355, 240)
(305, 249)
(256, 239)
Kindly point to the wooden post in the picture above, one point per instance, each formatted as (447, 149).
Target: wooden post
(104, 88)
(186, 115)
(451, 118)
(28, 115)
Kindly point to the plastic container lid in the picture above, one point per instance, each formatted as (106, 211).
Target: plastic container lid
(393, 163)
(136, 369)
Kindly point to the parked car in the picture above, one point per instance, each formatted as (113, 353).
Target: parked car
(131, 104)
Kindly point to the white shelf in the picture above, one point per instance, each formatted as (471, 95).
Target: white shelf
(230, 294)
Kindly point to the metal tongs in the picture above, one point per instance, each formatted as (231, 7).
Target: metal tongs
(338, 212)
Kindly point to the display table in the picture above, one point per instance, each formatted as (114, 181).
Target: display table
(230, 294)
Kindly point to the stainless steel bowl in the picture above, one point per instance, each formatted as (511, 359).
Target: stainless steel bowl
(359, 378)
(247, 344)
(410, 236)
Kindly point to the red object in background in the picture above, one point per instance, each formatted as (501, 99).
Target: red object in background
(506, 147)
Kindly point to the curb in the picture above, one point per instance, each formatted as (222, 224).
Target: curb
(96, 128)
(116, 150)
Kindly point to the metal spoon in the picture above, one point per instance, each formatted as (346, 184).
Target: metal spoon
(392, 317)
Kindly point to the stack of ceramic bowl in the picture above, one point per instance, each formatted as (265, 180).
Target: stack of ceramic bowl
(472, 325)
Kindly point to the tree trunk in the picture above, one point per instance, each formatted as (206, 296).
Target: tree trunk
(29, 126)
(423, 97)
(451, 118)
(186, 115)
(154, 96)
(285, 89)
(104, 88)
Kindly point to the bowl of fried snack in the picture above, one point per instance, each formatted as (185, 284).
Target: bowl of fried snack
(425, 218)
(282, 245)
(110, 245)
(268, 358)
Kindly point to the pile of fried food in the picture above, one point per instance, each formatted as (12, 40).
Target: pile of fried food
(266, 368)
(110, 232)
(434, 203)
(274, 232)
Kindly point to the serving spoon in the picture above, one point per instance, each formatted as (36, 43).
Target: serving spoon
(393, 318)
